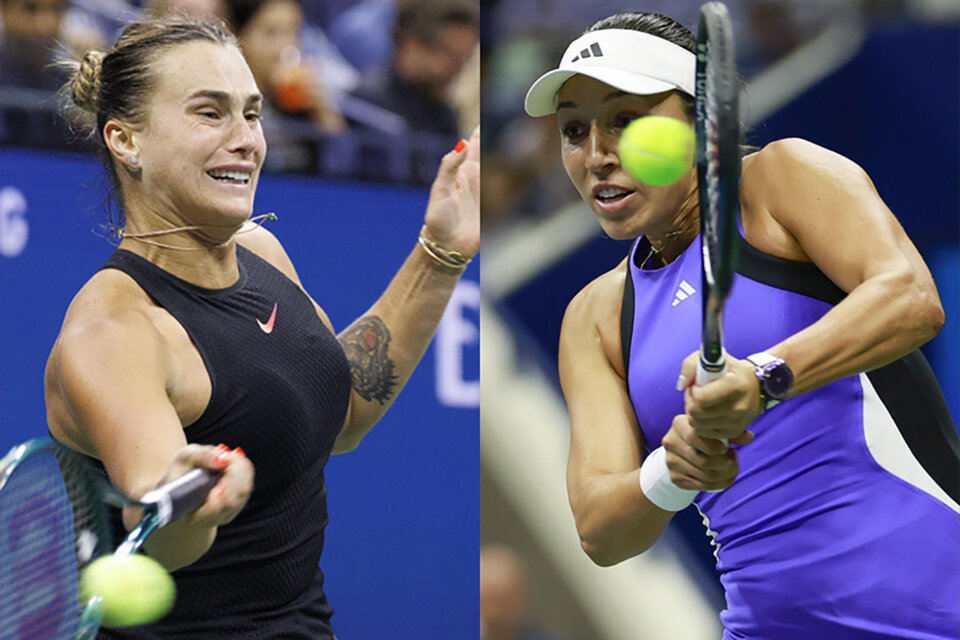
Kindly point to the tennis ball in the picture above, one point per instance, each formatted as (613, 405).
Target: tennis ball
(133, 589)
(657, 150)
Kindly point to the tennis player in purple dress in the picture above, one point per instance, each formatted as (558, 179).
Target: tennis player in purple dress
(834, 511)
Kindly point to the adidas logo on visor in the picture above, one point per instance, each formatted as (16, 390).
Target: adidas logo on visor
(593, 52)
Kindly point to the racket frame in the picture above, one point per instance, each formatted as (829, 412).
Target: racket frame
(718, 183)
(160, 506)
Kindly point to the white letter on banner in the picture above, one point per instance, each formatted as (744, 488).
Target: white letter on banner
(13, 222)
(455, 334)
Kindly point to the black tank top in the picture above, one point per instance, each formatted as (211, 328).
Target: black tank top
(281, 385)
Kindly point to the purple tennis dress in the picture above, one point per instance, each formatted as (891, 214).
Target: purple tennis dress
(843, 522)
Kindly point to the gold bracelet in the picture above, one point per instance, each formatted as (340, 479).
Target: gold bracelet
(446, 257)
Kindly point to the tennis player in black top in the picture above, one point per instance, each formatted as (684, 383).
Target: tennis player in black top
(197, 332)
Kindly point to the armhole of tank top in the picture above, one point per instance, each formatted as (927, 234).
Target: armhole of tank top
(116, 262)
(803, 278)
(910, 392)
(626, 317)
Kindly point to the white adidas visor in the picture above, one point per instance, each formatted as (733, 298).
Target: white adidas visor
(631, 61)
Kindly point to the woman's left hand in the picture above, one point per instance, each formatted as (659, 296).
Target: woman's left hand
(453, 213)
(725, 407)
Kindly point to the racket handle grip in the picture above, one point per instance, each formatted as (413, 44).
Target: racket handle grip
(704, 377)
(182, 495)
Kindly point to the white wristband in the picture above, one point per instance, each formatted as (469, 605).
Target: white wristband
(658, 487)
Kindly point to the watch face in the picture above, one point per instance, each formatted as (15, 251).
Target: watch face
(778, 381)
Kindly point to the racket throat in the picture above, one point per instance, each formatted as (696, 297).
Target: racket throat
(713, 355)
(138, 535)
(709, 370)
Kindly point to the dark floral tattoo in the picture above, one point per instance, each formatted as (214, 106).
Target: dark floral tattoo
(366, 342)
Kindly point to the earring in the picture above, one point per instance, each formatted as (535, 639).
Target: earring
(135, 161)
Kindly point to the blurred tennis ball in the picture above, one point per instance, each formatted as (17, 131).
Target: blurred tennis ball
(657, 150)
(133, 589)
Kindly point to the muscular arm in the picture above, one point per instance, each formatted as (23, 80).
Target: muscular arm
(830, 206)
(106, 388)
(385, 344)
(803, 202)
(614, 519)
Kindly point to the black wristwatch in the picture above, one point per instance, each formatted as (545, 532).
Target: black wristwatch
(775, 378)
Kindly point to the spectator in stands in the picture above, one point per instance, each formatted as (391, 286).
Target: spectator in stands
(297, 115)
(200, 9)
(30, 32)
(362, 33)
(433, 39)
(465, 92)
(504, 595)
(33, 31)
(269, 33)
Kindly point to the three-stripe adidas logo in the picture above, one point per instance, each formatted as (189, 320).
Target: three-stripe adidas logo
(592, 52)
(684, 292)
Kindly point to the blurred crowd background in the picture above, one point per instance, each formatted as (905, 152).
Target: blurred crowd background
(359, 89)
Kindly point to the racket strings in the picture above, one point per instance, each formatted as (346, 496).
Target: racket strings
(46, 513)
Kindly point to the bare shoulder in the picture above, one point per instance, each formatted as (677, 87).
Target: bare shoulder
(794, 161)
(110, 314)
(599, 299)
(604, 434)
(109, 337)
(110, 297)
(789, 182)
(594, 315)
(266, 245)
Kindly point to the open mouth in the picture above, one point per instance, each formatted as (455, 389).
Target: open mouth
(611, 195)
(230, 177)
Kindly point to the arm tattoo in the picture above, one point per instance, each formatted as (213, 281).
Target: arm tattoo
(365, 343)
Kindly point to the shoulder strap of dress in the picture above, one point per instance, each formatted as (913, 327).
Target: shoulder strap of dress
(627, 308)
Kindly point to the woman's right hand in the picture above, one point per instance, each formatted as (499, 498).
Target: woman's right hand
(230, 494)
(699, 463)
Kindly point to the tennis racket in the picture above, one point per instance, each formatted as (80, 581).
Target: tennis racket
(718, 176)
(54, 521)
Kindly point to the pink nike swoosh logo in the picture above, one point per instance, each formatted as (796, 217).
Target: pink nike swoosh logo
(267, 326)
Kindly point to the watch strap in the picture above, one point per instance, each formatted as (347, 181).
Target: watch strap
(760, 360)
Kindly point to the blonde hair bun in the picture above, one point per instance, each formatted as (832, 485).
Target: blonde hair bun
(85, 82)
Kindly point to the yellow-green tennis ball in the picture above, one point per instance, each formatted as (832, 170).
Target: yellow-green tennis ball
(133, 589)
(657, 150)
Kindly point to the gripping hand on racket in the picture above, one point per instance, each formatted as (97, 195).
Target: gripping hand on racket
(725, 407)
(698, 463)
(224, 501)
(697, 454)
(232, 490)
